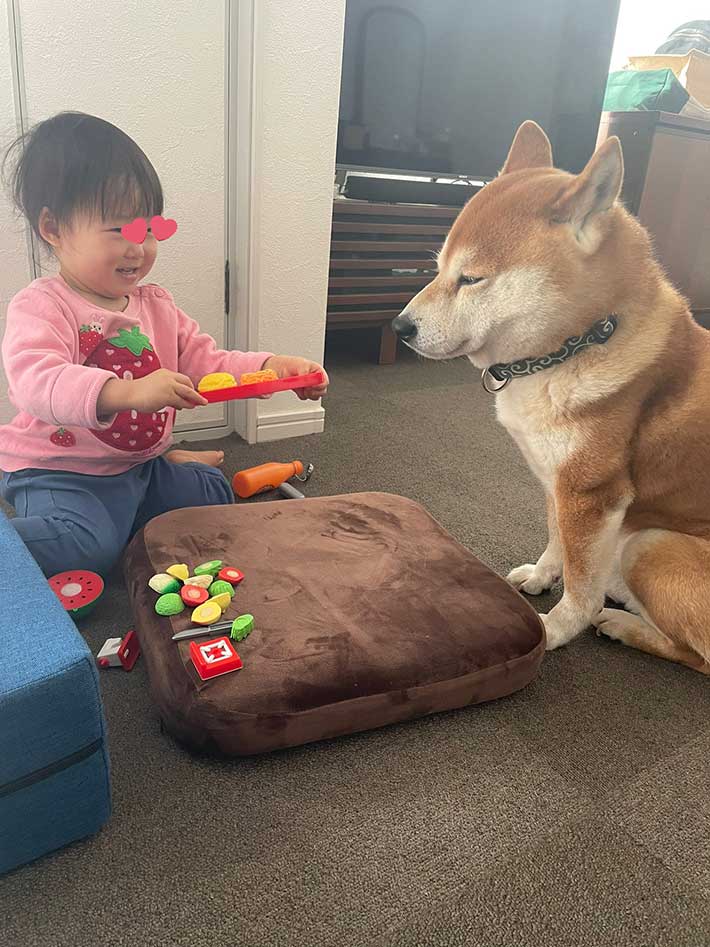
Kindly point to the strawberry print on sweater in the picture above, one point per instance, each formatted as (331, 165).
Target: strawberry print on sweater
(89, 337)
(129, 355)
(63, 438)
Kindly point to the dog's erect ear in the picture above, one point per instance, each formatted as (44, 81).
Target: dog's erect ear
(531, 148)
(593, 191)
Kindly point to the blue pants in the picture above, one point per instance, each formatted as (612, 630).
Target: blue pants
(81, 521)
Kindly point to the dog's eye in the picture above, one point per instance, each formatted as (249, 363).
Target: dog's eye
(470, 280)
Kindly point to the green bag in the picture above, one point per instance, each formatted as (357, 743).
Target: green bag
(653, 90)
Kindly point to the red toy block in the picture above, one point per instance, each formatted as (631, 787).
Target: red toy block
(228, 574)
(215, 657)
(312, 380)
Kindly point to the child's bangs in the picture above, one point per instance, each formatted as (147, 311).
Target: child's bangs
(128, 197)
(74, 164)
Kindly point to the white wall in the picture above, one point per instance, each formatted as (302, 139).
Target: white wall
(162, 83)
(644, 25)
(298, 50)
(169, 95)
(155, 68)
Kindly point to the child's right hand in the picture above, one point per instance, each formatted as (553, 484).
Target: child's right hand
(164, 389)
(161, 389)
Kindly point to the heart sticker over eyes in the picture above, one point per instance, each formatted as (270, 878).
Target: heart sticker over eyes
(161, 228)
(135, 231)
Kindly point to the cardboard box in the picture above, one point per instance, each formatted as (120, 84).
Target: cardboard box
(692, 71)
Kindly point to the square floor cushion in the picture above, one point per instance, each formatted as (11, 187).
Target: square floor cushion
(367, 612)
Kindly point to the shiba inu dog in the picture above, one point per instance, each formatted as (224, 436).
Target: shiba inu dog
(549, 287)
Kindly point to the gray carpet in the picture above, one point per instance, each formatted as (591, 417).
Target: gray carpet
(576, 812)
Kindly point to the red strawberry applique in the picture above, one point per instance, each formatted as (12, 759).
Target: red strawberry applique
(63, 438)
(89, 338)
(129, 355)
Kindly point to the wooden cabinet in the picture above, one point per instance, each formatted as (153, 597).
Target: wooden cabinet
(667, 186)
(381, 255)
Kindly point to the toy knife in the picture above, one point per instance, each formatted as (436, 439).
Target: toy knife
(199, 630)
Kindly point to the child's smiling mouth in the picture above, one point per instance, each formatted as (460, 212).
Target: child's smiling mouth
(128, 272)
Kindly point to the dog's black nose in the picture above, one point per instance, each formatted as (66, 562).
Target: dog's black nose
(404, 327)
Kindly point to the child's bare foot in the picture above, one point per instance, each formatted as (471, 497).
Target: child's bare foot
(213, 458)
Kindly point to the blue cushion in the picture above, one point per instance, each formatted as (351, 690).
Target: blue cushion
(51, 812)
(51, 718)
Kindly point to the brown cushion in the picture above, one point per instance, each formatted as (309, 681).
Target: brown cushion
(367, 612)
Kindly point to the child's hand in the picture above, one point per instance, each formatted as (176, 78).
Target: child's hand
(161, 389)
(164, 389)
(287, 365)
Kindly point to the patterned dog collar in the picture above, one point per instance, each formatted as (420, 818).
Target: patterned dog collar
(504, 373)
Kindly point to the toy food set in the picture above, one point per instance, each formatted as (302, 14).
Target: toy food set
(221, 386)
(209, 591)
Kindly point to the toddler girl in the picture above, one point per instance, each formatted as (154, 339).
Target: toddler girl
(97, 364)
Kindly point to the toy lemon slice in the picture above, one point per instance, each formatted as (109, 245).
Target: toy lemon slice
(178, 571)
(215, 381)
(207, 613)
(222, 601)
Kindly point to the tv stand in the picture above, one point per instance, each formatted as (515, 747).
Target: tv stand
(381, 255)
(407, 190)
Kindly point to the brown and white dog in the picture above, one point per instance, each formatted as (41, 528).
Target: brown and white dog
(618, 432)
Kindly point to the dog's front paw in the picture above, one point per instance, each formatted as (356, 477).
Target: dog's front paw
(557, 631)
(615, 623)
(533, 579)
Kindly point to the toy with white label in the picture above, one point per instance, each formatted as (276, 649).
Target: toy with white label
(119, 652)
(212, 658)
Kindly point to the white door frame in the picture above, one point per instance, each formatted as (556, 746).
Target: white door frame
(20, 97)
(243, 77)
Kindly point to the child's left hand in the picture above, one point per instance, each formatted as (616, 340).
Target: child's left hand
(287, 365)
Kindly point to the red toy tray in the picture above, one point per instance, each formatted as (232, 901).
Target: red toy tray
(214, 657)
(311, 380)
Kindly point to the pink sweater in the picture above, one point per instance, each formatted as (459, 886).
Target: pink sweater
(60, 350)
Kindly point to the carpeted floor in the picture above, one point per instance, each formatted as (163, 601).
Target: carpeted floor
(576, 812)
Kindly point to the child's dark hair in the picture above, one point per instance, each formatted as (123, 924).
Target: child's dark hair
(74, 163)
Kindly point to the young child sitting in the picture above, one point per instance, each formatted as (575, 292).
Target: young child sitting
(97, 364)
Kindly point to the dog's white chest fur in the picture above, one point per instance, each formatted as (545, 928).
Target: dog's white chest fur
(527, 412)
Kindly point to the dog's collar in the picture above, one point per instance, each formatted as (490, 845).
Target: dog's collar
(505, 372)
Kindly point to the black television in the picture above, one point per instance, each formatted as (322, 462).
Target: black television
(438, 87)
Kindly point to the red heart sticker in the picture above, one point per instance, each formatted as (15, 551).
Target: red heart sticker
(161, 228)
(135, 231)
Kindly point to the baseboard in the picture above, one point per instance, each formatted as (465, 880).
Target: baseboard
(202, 434)
(278, 427)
